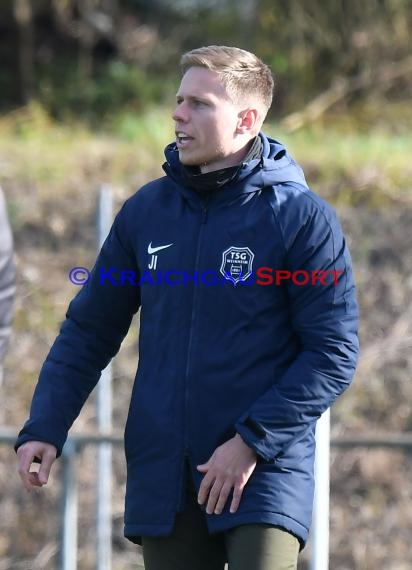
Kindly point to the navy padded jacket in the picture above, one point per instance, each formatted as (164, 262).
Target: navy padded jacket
(221, 349)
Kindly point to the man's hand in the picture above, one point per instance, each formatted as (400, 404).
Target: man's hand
(229, 467)
(26, 454)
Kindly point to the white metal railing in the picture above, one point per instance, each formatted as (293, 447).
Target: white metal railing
(74, 444)
(104, 416)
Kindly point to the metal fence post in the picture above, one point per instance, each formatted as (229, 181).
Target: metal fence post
(104, 417)
(68, 542)
(320, 525)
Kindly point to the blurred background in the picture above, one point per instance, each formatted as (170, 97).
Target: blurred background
(86, 92)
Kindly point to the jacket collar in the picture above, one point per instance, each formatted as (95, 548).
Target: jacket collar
(273, 166)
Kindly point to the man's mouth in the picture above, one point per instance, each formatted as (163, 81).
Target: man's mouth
(182, 138)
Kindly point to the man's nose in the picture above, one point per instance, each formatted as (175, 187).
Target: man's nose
(180, 114)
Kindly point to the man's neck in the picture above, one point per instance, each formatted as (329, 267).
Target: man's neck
(204, 182)
(228, 162)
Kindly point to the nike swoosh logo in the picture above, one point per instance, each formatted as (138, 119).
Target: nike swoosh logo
(151, 249)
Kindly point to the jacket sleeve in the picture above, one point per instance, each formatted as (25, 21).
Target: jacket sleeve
(96, 322)
(323, 318)
(7, 277)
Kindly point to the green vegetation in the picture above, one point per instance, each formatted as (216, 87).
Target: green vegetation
(91, 58)
(343, 159)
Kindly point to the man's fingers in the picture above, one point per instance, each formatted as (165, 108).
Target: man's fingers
(229, 467)
(25, 459)
(46, 463)
(204, 489)
(26, 455)
(237, 495)
(224, 493)
(33, 477)
(203, 468)
(213, 496)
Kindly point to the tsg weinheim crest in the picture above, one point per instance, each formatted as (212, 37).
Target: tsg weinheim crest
(237, 264)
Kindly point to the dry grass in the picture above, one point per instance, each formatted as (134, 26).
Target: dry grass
(50, 174)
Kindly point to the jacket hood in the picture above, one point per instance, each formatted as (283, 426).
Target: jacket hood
(276, 166)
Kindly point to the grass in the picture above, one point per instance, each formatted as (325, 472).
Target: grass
(51, 159)
(369, 159)
(344, 157)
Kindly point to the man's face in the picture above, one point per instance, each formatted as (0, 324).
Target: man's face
(206, 122)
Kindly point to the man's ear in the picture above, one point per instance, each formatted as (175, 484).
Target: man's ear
(247, 121)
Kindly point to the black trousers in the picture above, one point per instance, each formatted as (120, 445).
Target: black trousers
(246, 547)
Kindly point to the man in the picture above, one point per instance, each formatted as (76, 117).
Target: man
(7, 280)
(237, 360)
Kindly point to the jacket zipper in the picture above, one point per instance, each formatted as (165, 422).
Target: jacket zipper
(192, 322)
(189, 346)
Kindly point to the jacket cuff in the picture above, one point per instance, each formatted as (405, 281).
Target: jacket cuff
(24, 437)
(255, 437)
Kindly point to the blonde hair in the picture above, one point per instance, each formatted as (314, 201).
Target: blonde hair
(242, 73)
